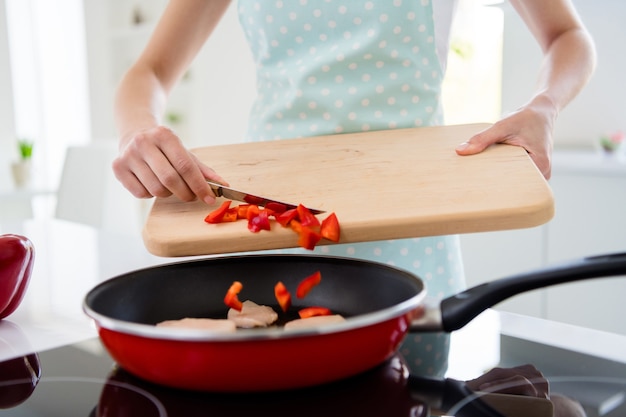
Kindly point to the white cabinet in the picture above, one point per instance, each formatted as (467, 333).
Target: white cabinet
(590, 219)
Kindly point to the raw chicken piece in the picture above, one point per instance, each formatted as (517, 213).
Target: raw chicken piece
(313, 321)
(252, 315)
(222, 325)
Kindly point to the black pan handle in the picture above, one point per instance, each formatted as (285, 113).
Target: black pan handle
(460, 309)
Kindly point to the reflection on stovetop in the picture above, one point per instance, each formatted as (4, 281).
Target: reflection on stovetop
(82, 380)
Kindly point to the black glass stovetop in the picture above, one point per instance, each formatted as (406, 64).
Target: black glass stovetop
(82, 380)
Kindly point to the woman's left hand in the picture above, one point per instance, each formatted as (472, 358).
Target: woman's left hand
(530, 127)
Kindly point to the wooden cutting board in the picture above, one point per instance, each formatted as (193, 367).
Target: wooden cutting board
(381, 185)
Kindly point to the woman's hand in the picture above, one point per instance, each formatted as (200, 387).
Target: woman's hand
(530, 127)
(568, 62)
(154, 163)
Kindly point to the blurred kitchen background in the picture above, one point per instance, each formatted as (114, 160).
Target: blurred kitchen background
(61, 60)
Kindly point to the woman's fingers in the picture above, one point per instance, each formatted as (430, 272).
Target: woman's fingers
(155, 163)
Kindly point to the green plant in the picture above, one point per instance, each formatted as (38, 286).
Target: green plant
(610, 142)
(25, 147)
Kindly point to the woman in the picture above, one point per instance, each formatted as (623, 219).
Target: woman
(333, 66)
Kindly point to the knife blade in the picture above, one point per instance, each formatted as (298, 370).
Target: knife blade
(222, 191)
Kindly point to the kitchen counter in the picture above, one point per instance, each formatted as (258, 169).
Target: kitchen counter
(69, 260)
(587, 162)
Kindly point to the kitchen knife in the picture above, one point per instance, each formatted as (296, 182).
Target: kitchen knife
(222, 191)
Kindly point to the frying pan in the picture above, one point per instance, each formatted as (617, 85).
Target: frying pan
(381, 303)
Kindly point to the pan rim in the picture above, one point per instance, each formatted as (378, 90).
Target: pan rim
(270, 333)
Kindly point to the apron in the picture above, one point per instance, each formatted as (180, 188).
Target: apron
(330, 67)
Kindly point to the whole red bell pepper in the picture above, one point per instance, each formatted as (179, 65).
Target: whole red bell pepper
(17, 255)
(18, 378)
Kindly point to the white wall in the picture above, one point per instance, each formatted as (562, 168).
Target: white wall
(213, 99)
(601, 107)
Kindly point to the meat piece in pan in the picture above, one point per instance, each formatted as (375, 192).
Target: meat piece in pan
(202, 324)
(313, 321)
(253, 315)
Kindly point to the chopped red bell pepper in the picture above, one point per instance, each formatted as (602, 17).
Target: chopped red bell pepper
(283, 296)
(308, 283)
(231, 299)
(230, 215)
(286, 216)
(217, 215)
(252, 211)
(308, 227)
(307, 218)
(308, 237)
(330, 228)
(254, 200)
(242, 211)
(276, 207)
(307, 312)
(259, 222)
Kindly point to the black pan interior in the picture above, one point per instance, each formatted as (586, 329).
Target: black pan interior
(197, 288)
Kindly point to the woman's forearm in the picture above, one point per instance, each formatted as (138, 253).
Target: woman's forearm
(567, 66)
(139, 103)
(569, 52)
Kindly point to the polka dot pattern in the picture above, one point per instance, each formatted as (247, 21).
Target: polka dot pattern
(331, 66)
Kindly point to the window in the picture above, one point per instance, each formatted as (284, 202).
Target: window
(472, 87)
(49, 80)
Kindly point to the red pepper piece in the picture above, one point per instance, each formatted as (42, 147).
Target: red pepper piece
(307, 218)
(259, 222)
(252, 211)
(254, 200)
(242, 211)
(230, 215)
(307, 312)
(276, 207)
(308, 283)
(217, 215)
(231, 299)
(17, 255)
(286, 217)
(308, 237)
(283, 296)
(330, 228)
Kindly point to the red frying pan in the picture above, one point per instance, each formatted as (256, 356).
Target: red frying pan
(381, 303)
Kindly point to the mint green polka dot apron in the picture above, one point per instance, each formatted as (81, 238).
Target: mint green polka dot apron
(328, 66)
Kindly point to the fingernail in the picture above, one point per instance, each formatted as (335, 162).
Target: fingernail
(462, 146)
(209, 200)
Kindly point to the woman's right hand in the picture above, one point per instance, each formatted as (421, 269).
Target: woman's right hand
(153, 162)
